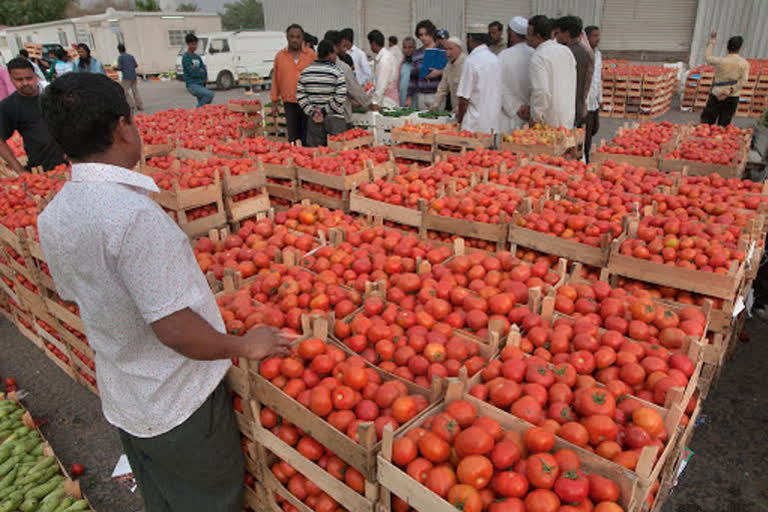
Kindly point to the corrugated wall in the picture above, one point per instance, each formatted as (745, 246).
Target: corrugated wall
(729, 18)
(315, 17)
(447, 14)
(486, 11)
(587, 10)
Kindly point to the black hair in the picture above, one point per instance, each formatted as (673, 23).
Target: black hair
(190, 38)
(293, 26)
(426, 24)
(496, 24)
(333, 36)
(570, 24)
(392, 40)
(480, 37)
(346, 59)
(19, 63)
(60, 53)
(347, 34)
(81, 111)
(121, 48)
(310, 39)
(375, 36)
(542, 26)
(734, 44)
(24, 53)
(86, 62)
(591, 28)
(324, 49)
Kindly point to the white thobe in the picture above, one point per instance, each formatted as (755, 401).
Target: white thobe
(515, 64)
(595, 96)
(398, 53)
(553, 85)
(385, 73)
(362, 68)
(480, 84)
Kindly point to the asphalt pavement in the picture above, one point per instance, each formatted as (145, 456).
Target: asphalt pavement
(727, 472)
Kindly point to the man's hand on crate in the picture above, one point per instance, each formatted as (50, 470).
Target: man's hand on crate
(265, 340)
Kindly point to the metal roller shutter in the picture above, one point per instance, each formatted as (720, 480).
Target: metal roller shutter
(392, 17)
(486, 11)
(587, 10)
(446, 14)
(651, 25)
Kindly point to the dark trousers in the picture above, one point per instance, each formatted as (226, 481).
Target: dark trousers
(719, 111)
(196, 467)
(317, 133)
(591, 127)
(294, 119)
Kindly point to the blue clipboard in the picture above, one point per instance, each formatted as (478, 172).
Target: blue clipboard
(434, 58)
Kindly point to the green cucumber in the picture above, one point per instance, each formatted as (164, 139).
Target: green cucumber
(26, 446)
(42, 464)
(8, 465)
(11, 438)
(22, 430)
(40, 476)
(4, 493)
(55, 496)
(12, 502)
(5, 455)
(28, 505)
(65, 504)
(51, 505)
(77, 506)
(44, 489)
(9, 479)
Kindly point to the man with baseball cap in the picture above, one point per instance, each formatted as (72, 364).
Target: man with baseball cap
(479, 89)
(515, 74)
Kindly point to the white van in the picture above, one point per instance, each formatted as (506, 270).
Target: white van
(228, 54)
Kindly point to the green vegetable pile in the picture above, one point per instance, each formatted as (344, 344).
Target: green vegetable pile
(399, 112)
(434, 114)
(29, 480)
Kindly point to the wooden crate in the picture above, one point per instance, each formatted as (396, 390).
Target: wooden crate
(723, 286)
(549, 244)
(337, 489)
(398, 135)
(555, 149)
(457, 141)
(734, 170)
(150, 150)
(413, 154)
(344, 181)
(342, 145)
(634, 486)
(179, 199)
(203, 225)
(246, 208)
(271, 170)
(649, 162)
(248, 108)
(466, 228)
(334, 203)
(360, 455)
(387, 211)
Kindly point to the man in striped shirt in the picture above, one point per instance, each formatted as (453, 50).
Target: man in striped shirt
(321, 93)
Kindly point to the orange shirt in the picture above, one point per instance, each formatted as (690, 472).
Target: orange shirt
(286, 71)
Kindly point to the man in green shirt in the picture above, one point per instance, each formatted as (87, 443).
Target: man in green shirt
(195, 73)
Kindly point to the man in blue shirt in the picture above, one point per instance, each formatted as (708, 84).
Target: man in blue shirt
(127, 65)
(195, 72)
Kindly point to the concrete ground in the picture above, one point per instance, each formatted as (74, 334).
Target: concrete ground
(726, 473)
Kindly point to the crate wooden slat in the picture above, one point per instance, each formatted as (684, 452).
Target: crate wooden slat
(271, 170)
(413, 154)
(555, 149)
(335, 203)
(482, 141)
(548, 244)
(183, 199)
(203, 225)
(734, 170)
(246, 108)
(234, 184)
(288, 192)
(343, 181)
(387, 211)
(341, 145)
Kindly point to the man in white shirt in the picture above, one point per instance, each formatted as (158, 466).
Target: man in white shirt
(361, 67)
(515, 75)
(553, 77)
(595, 96)
(479, 89)
(149, 315)
(395, 50)
(385, 72)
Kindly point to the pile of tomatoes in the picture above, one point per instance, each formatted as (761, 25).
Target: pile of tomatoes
(475, 464)
(354, 133)
(644, 140)
(341, 390)
(482, 203)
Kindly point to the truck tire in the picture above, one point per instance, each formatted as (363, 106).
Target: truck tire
(225, 80)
